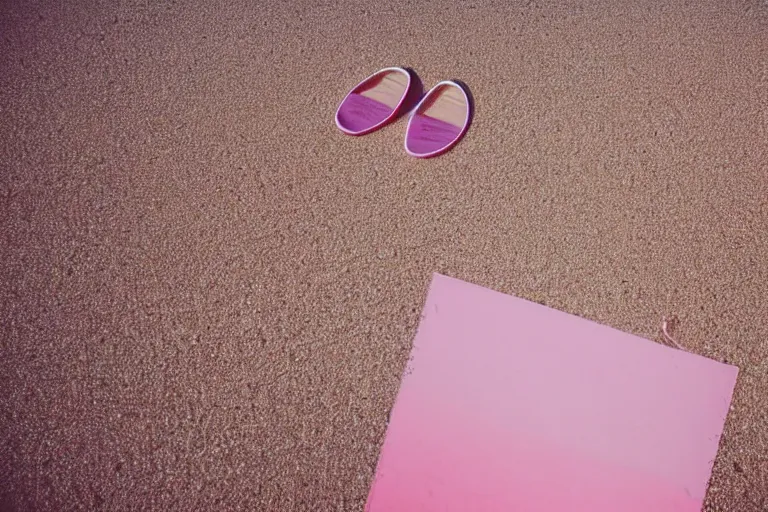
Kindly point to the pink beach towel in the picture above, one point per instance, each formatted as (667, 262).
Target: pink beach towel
(507, 405)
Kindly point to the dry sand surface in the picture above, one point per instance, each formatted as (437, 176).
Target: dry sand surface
(208, 293)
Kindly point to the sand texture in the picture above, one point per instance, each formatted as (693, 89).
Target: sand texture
(208, 293)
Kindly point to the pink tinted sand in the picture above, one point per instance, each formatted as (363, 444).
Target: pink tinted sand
(509, 405)
(192, 256)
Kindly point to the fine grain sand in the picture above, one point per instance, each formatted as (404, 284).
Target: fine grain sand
(208, 293)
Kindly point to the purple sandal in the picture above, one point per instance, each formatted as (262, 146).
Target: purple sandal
(374, 102)
(439, 120)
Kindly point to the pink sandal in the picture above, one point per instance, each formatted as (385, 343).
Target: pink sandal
(439, 120)
(374, 102)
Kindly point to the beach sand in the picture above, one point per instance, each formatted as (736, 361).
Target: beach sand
(208, 293)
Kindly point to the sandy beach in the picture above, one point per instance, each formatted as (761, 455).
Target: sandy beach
(208, 293)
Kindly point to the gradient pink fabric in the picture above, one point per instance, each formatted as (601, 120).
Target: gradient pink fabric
(358, 113)
(507, 405)
(427, 134)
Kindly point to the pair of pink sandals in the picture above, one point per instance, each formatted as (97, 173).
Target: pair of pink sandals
(437, 122)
